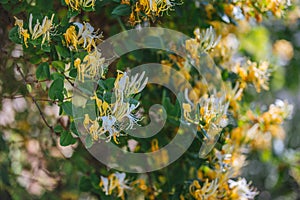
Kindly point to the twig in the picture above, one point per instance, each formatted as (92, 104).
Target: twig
(69, 80)
(34, 100)
(37, 99)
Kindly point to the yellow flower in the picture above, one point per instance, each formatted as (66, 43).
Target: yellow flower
(150, 8)
(114, 182)
(94, 64)
(259, 75)
(204, 41)
(186, 110)
(86, 36)
(71, 37)
(43, 29)
(207, 191)
(22, 32)
(103, 106)
(77, 4)
(91, 66)
(80, 70)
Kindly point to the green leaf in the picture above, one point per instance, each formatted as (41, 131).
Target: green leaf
(67, 107)
(59, 65)
(88, 141)
(66, 139)
(3, 1)
(122, 10)
(110, 83)
(56, 89)
(56, 75)
(58, 129)
(95, 181)
(43, 71)
(85, 184)
(14, 35)
(102, 84)
(73, 128)
(36, 59)
(72, 13)
(62, 51)
(46, 48)
(73, 73)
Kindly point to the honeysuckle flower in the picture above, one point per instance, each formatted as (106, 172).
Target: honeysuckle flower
(115, 181)
(22, 32)
(206, 191)
(241, 189)
(91, 66)
(118, 115)
(204, 41)
(213, 111)
(210, 112)
(77, 4)
(252, 73)
(71, 37)
(103, 106)
(259, 75)
(108, 125)
(43, 29)
(80, 70)
(126, 86)
(268, 125)
(280, 111)
(85, 37)
(94, 64)
(131, 118)
(142, 10)
(155, 7)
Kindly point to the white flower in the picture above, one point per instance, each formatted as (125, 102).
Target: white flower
(126, 86)
(206, 191)
(86, 35)
(118, 115)
(210, 114)
(94, 64)
(281, 108)
(242, 188)
(108, 123)
(207, 38)
(43, 29)
(210, 111)
(114, 181)
(104, 182)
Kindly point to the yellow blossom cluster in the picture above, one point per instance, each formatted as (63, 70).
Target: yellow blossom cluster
(37, 30)
(91, 66)
(204, 41)
(117, 115)
(248, 72)
(247, 9)
(145, 9)
(220, 181)
(78, 4)
(262, 128)
(114, 182)
(85, 37)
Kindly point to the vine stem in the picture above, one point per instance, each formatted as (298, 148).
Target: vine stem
(34, 100)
